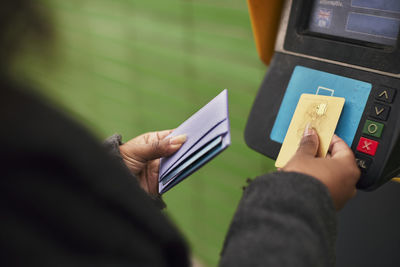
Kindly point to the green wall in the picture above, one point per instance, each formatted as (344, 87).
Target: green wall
(131, 66)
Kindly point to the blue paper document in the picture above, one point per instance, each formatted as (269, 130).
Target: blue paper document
(208, 134)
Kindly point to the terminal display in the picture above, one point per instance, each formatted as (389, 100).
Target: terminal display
(369, 21)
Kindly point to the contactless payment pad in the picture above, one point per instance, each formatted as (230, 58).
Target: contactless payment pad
(316, 111)
(309, 81)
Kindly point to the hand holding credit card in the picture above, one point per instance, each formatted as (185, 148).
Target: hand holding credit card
(208, 134)
(319, 112)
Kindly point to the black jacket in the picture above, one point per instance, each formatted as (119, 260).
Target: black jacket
(65, 201)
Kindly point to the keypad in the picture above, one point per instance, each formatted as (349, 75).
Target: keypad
(380, 112)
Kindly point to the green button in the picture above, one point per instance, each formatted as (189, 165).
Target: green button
(373, 128)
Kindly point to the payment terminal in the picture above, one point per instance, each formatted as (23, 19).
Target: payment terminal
(342, 48)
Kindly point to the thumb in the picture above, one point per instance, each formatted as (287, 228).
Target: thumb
(158, 149)
(309, 142)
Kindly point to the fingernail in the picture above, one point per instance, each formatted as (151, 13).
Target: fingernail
(308, 130)
(177, 140)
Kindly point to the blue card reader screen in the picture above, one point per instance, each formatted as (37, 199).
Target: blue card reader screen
(310, 81)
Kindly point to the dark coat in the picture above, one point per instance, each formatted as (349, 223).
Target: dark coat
(65, 201)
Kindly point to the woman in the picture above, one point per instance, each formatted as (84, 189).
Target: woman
(66, 201)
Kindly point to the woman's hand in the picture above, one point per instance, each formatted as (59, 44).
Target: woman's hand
(142, 156)
(338, 171)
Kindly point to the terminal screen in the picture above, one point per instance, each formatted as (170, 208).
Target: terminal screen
(372, 21)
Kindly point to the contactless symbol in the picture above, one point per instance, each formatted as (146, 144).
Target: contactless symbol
(367, 146)
(324, 91)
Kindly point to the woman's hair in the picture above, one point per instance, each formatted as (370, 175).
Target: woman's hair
(23, 23)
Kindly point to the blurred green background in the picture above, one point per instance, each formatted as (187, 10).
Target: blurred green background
(132, 66)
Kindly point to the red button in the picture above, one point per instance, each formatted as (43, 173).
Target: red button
(367, 146)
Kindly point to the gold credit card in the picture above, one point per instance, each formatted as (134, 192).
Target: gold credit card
(322, 113)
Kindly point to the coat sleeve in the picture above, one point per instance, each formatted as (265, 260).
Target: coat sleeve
(111, 144)
(283, 219)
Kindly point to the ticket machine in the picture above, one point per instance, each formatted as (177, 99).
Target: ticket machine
(346, 48)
